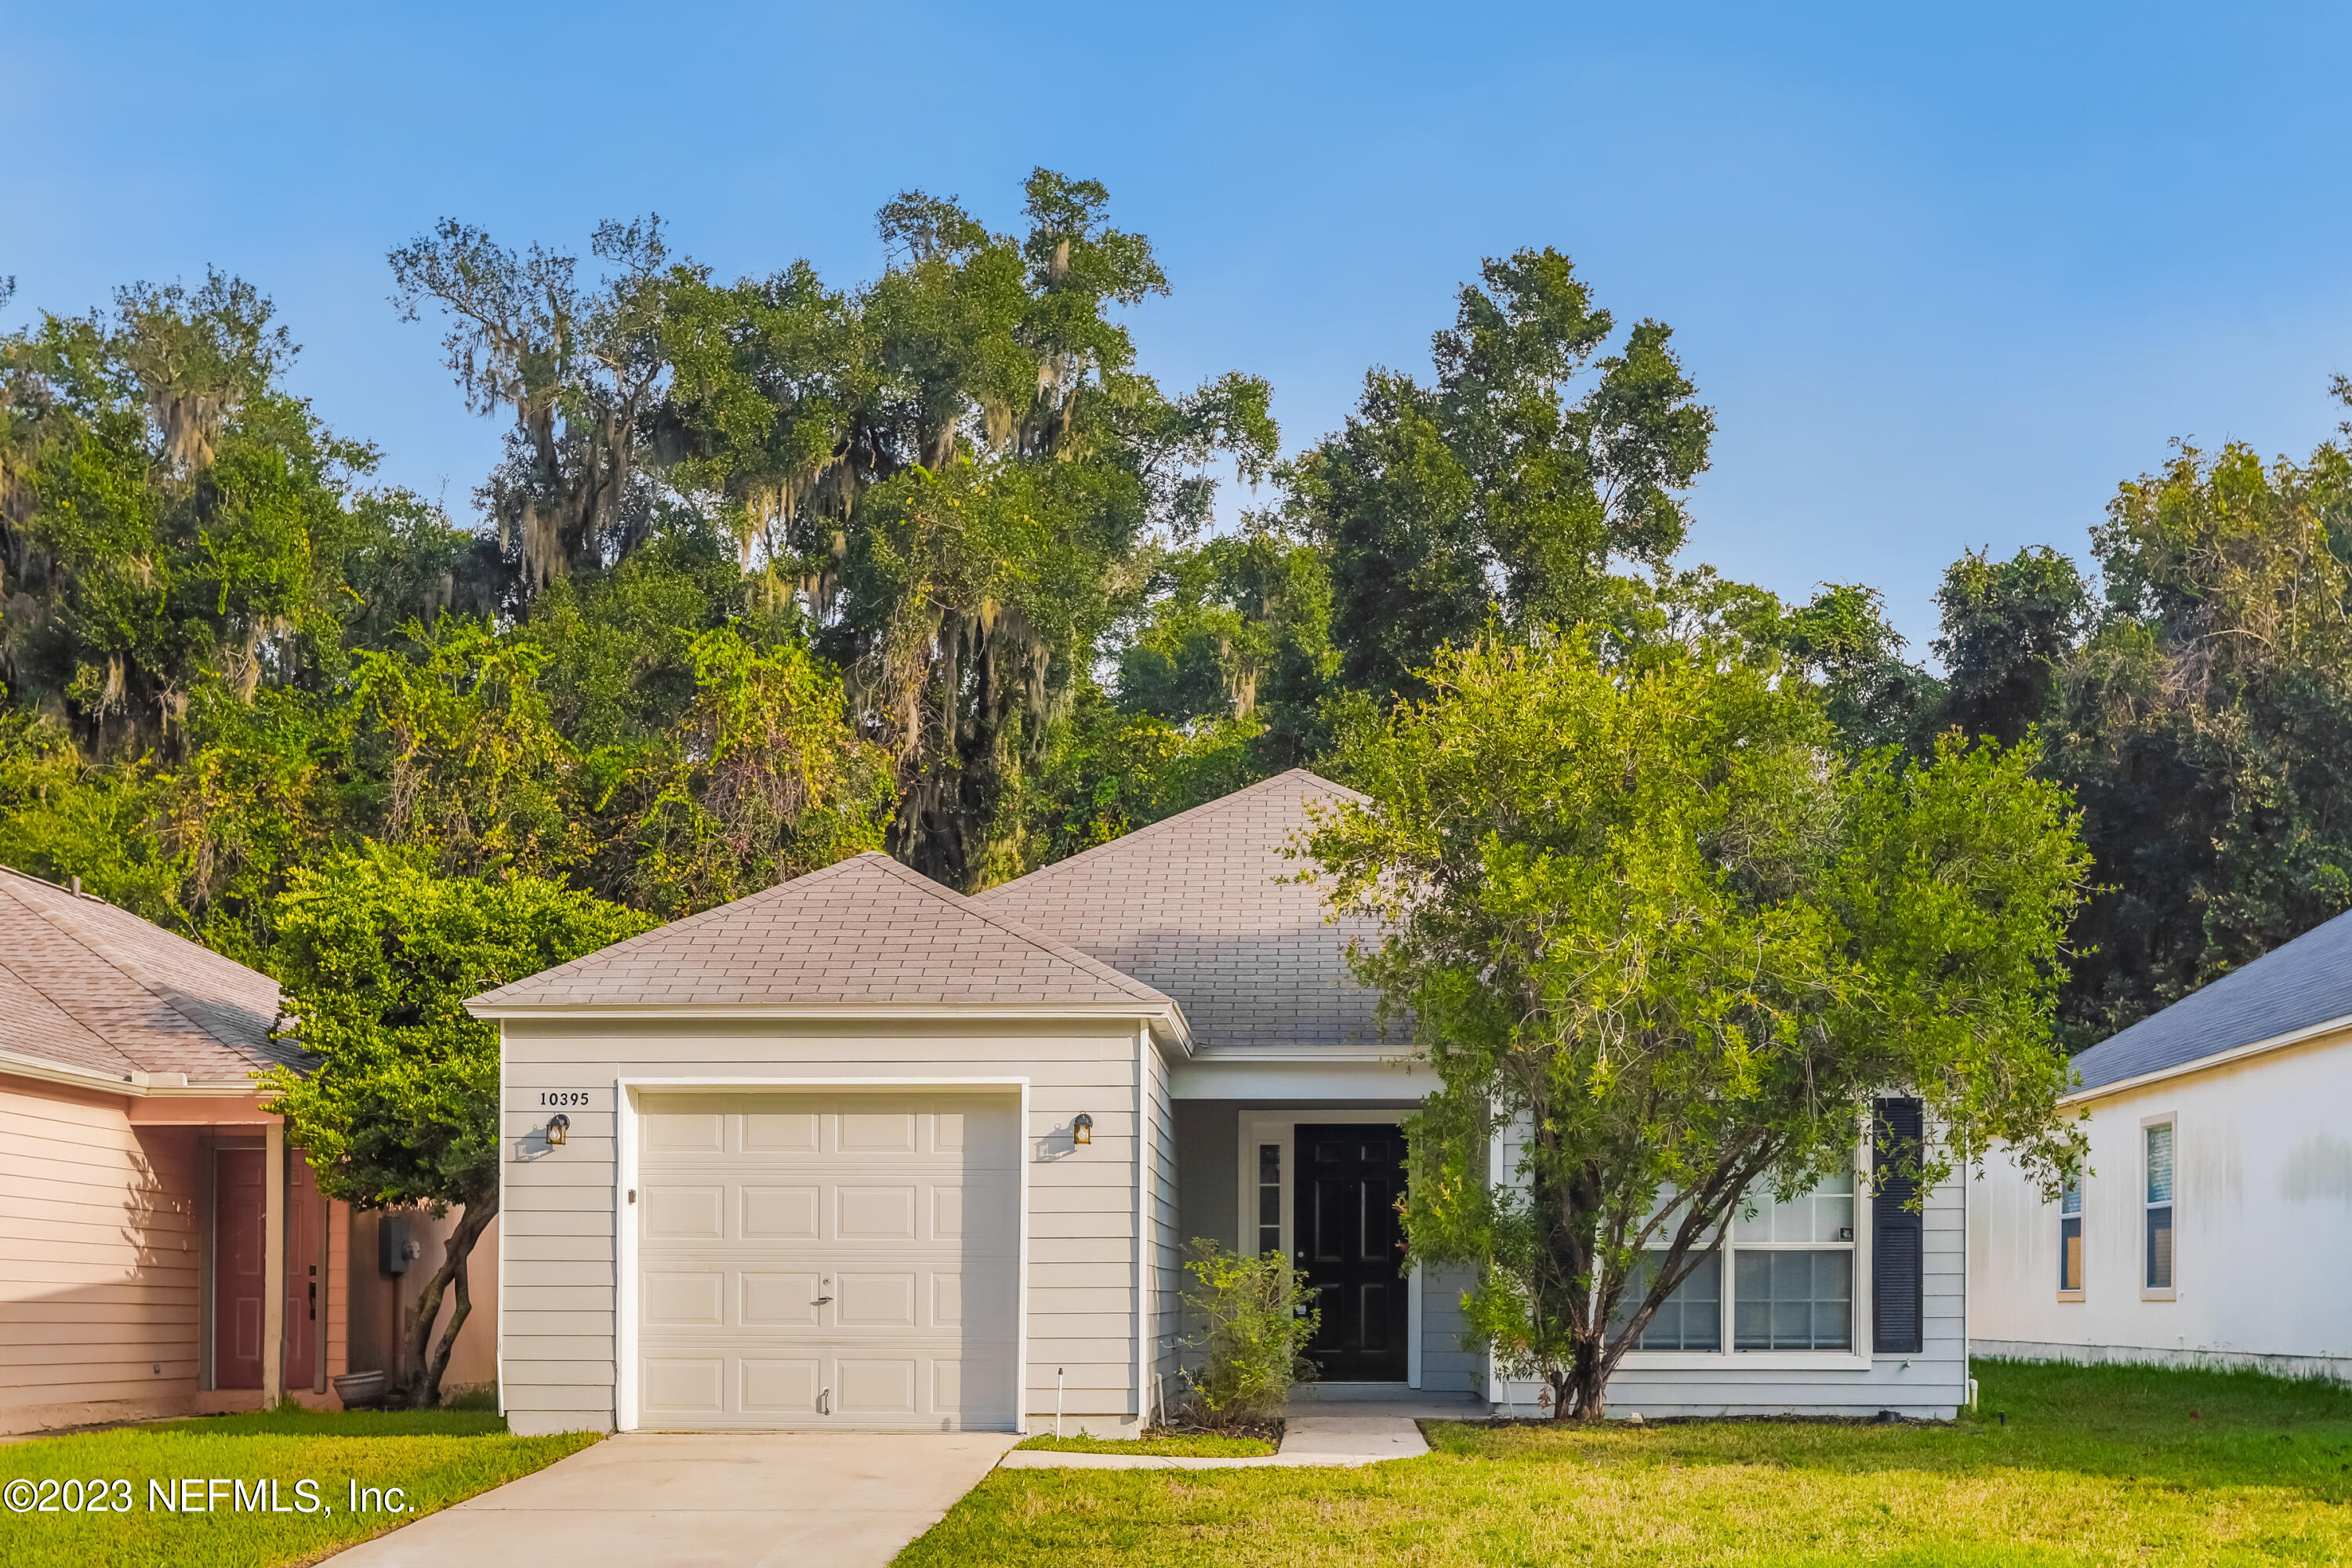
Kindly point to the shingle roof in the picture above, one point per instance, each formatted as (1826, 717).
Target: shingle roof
(84, 984)
(2305, 983)
(1203, 906)
(864, 931)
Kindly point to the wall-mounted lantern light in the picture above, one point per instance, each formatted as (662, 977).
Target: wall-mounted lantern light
(559, 1128)
(1082, 1130)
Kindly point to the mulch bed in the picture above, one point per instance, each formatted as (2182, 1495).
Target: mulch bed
(1264, 1431)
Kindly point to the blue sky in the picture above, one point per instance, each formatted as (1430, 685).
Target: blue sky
(1945, 278)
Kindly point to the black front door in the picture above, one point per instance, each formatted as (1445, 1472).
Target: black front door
(1349, 1246)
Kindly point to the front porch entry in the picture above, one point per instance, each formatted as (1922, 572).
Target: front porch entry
(1322, 1185)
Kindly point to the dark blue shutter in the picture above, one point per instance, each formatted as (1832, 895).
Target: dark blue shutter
(1896, 1243)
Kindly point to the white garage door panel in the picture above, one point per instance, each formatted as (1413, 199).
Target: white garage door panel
(810, 1261)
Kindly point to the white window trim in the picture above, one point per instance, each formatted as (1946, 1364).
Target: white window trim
(2170, 1292)
(1855, 1358)
(2081, 1217)
(1281, 1127)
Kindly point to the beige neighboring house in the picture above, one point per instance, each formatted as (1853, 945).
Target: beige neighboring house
(162, 1251)
(859, 1152)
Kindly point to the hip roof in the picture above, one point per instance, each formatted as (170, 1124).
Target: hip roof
(1208, 907)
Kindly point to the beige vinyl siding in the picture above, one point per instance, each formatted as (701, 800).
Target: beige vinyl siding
(100, 1253)
(558, 1293)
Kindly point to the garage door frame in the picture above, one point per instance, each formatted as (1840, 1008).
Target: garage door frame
(626, 1139)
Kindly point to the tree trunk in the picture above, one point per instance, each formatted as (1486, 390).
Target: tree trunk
(423, 1388)
(1580, 1393)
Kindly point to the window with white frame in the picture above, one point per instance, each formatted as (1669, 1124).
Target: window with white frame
(1269, 1198)
(2158, 1137)
(1783, 1281)
(2069, 1235)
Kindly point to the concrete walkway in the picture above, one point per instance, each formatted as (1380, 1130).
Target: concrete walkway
(790, 1499)
(1358, 1432)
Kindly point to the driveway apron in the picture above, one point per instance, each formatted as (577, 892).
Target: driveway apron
(792, 1499)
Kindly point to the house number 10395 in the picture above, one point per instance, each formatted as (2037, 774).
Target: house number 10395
(563, 1097)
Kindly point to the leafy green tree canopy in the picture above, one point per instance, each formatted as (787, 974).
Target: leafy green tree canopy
(397, 1103)
(1529, 465)
(1636, 903)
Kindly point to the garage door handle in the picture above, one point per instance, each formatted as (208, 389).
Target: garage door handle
(820, 1301)
(825, 1402)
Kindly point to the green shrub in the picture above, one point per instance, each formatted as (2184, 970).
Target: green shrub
(1256, 1323)
(476, 1397)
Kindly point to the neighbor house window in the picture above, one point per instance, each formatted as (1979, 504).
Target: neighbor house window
(2159, 1205)
(1782, 1281)
(1269, 1198)
(2069, 1235)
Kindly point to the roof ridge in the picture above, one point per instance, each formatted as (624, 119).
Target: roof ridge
(1206, 808)
(592, 968)
(98, 943)
(964, 904)
(687, 922)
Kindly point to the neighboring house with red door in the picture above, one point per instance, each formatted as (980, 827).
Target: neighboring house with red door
(856, 1151)
(161, 1252)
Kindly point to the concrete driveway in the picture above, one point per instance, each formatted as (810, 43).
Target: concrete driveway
(794, 1499)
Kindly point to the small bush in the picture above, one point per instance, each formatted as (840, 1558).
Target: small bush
(1256, 1326)
(479, 1397)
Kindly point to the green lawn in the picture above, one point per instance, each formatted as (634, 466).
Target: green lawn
(2095, 1464)
(435, 1457)
(1170, 1446)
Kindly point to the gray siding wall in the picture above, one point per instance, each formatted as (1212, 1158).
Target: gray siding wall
(1208, 1153)
(1445, 1366)
(558, 1286)
(1167, 1276)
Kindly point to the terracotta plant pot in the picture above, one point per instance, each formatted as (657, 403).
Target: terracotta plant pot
(360, 1388)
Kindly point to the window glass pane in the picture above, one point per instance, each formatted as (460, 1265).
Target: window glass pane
(2159, 1164)
(2071, 1200)
(2159, 1248)
(1689, 1320)
(1269, 1198)
(2070, 1254)
(1825, 1213)
(1792, 1301)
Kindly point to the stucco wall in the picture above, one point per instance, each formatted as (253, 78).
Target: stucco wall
(2262, 1161)
(558, 1291)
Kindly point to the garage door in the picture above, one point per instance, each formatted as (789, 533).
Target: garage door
(839, 1262)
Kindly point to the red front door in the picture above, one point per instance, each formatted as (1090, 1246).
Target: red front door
(240, 1278)
(306, 1280)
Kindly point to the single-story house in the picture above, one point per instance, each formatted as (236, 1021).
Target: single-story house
(2209, 1224)
(857, 1152)
(164, 1253)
